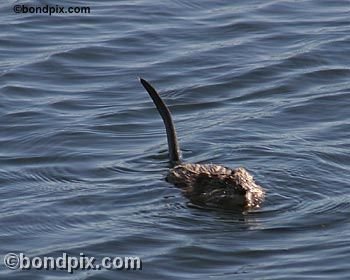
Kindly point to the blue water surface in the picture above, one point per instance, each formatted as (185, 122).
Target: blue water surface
(260, 84)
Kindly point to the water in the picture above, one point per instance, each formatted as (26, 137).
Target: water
(262, 84)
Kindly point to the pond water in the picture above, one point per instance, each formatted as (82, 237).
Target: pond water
(259, 84)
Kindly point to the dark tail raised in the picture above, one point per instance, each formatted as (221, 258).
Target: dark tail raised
(174, 152)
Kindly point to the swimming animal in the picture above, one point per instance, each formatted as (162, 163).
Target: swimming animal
(206, 185)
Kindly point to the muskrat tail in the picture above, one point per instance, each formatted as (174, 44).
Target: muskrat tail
(174, 151)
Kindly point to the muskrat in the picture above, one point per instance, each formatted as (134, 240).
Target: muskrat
(206, 185)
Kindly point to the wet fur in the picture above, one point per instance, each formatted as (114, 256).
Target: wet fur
(207, 185)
